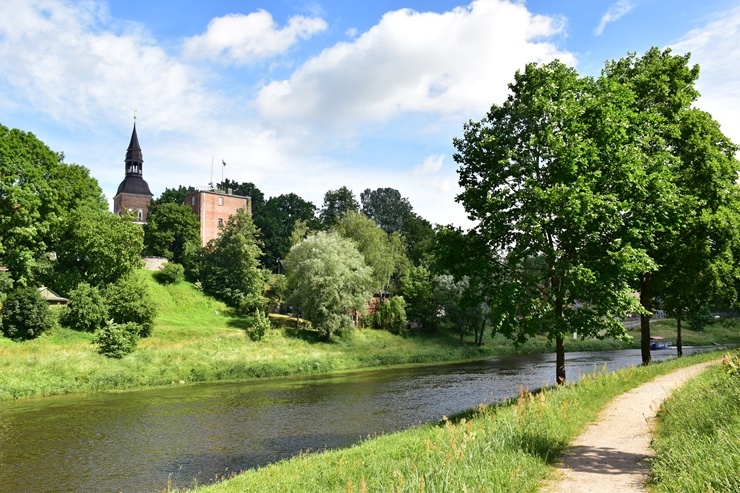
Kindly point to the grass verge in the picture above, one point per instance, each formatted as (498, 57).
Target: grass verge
(507, 447)
(698, 439)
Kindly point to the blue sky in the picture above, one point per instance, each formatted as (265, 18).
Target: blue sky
(308, 96)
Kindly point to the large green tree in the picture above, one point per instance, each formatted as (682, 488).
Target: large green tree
(336, 204)
(96, 247)
(328, 278)
(230, 264)
(683, 201)
(537, 175)
(38, 191)
(277, 221)
(384, 253)
(170, 228)
(387, 207)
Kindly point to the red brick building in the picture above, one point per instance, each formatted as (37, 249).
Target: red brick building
(213, 208)
(133, 193)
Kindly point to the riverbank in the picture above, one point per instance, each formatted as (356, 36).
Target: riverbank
(197, 339)
(508, 447)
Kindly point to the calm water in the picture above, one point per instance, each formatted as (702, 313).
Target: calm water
(136, 441)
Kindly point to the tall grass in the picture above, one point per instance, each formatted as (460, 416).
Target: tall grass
(507, 447)
(698, 439)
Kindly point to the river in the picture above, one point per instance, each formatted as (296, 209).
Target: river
(138, 441)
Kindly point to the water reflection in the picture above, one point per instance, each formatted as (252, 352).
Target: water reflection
(136, 441)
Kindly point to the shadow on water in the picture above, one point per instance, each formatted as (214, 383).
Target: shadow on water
(137, 441)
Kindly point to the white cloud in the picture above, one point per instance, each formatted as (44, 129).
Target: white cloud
(616, 11)
(238, 38)
(430, 166)
(450, 63)
(716, 49)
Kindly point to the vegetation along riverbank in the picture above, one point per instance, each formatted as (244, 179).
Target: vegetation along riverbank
(509, 447)
(196, 339)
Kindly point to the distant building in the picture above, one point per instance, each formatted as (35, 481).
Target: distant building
(133, 193)
(213, 208)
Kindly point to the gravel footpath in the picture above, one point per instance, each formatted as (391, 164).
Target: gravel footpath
(610, 456)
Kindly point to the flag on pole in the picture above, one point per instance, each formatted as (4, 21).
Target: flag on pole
(223, 162)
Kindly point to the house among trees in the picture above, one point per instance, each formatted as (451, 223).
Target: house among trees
(213, 208)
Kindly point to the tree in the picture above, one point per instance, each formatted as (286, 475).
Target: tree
(230, 268)
(386, 207)
(383, 253)
(170, 227)
(24, 314)
(96, 247)
(687, 174)
(129, 301)
(276, 222)
(174, 195)
(418, 290)
(37, 193)
(328, 278)
(87, 309)
(536, 175)
(337, 203)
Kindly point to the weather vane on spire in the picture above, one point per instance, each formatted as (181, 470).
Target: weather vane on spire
(135, 110)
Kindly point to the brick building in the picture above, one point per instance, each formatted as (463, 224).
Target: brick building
(133, 193)
(213, 208)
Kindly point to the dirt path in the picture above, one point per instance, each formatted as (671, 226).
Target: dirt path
(609, 457)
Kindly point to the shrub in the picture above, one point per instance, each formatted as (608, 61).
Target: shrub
(700, 320)
(391, 315)
(87, 309)
(260, 324)
(129, 300)
(171, 273)
(25, 314)
(117, 340)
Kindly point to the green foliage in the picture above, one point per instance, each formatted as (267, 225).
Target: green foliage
(229, 268)
(384, 253)
(700, 320)
(698, 439)
(386, 207)
(87, 309)
(98, 248)
(174, 195)
(25, 314)
(170, 227)
(276, 221)
(328, 278)
(260, 325)
(117, 340)
(170, 273)
(418, 289)
(391, 315)
(37, 192)
(337, 203)
(129, 300)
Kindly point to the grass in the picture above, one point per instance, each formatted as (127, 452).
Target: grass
(698, 439)
(509, 447)
(198, 339)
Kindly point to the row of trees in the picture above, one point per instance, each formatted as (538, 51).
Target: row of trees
(587, 190)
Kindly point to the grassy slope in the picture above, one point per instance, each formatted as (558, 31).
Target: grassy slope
(196, 339)
(698, 440)
(503, 448)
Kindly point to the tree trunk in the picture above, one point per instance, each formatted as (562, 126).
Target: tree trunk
(646, 300)
(679, 344)
(559, 361)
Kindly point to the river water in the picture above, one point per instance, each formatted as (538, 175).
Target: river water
(138, 441)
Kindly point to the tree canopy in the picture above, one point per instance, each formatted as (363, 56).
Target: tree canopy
(336, 204)
(169, 229)
(327, 277)
(276, 223)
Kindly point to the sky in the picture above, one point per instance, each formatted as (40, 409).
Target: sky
(306, 96)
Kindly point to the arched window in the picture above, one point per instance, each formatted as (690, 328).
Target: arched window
(140, 215)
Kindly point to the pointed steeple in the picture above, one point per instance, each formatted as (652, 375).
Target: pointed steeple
(134, 182)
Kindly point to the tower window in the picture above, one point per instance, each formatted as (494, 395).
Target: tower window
(192, 200)
(220, 201)
(220, 222)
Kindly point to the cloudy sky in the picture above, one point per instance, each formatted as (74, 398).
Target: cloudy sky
(307, 96)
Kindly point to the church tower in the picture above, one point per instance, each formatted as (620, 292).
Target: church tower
(133, 193)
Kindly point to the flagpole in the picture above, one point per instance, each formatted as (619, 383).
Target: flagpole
(211, 172)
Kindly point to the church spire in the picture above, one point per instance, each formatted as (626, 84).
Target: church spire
(134, 158)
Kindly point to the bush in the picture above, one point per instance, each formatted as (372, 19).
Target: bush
(25, 314)
(87, 309)
(700, 320)
(171, 273)
(261, 323)
(391, 315)
(117, 340)
(129, 300)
